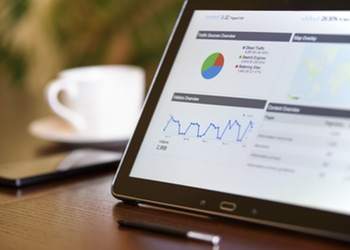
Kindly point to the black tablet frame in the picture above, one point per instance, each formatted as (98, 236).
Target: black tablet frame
(293, 217)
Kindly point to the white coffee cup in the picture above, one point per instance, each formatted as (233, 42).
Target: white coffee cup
(102, 101)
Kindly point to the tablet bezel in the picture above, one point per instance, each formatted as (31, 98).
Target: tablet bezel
(293, 217)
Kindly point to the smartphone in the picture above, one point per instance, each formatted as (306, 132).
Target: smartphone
(20, 174)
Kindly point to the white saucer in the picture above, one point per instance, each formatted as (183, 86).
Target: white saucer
(55, 129)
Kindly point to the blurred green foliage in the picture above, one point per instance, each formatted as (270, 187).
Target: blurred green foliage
(17, 8)
(12, 62)
(88, 32)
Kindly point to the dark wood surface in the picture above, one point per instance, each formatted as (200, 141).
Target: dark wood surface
(80, 213)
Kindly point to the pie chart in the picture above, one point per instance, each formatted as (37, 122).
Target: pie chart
(212, 66)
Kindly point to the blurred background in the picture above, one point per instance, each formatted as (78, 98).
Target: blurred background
(39, 38)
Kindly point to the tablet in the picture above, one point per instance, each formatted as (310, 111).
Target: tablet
(248, 117)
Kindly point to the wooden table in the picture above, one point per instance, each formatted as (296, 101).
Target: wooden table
(80, 213)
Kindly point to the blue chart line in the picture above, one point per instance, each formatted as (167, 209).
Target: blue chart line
(220, 132)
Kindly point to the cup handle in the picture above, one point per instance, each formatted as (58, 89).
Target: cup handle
(52, 92)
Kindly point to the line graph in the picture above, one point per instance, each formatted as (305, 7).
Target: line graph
(239, 132)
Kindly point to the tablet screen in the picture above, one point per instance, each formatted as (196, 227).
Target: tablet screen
(257, 103)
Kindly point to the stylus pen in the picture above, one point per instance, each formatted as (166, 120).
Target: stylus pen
(193, 235)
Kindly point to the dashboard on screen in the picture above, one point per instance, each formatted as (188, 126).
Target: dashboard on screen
(257, 103)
